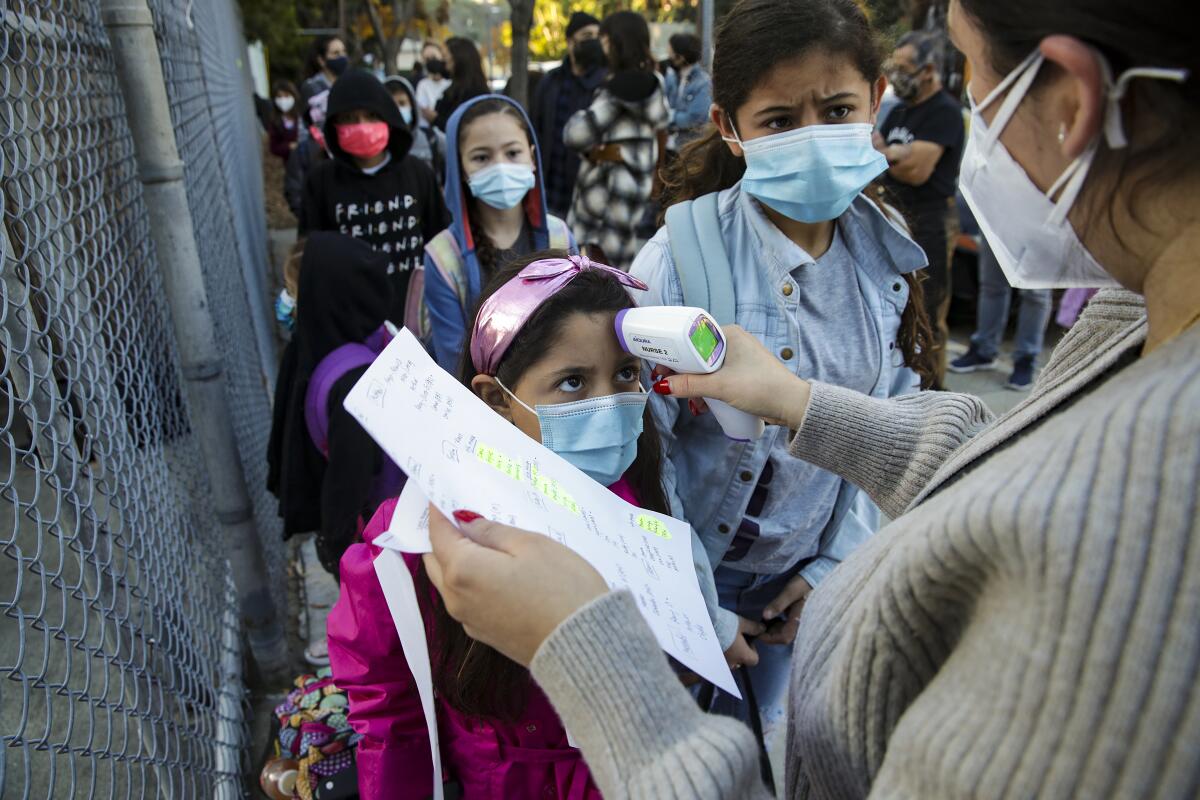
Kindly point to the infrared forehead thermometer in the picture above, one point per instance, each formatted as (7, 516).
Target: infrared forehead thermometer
(687, 340)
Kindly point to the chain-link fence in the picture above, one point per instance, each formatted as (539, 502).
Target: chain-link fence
(120, 647)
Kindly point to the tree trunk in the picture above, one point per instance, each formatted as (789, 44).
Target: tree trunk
(391, 53)
(376, 24)
(522, 21)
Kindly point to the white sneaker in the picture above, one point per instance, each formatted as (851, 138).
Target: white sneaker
(317, 653)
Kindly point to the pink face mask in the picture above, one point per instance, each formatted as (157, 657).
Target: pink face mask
(363, 139)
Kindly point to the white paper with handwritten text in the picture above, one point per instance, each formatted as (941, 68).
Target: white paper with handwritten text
(461, 454)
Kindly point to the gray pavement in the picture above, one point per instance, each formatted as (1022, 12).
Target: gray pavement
(990, 385)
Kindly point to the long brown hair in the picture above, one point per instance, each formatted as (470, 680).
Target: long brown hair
(486, 251)
(471, 676)
(628, 42)
(754, 37)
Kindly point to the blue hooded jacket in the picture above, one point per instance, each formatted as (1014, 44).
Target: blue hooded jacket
(453, 278)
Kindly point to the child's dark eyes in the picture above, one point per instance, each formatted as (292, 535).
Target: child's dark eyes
(571, 384)
(628, 374)
(832, 114)
(514, 154)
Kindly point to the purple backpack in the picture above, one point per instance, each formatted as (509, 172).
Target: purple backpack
(329, 371)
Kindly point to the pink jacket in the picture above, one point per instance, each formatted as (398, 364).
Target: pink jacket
(523, 760)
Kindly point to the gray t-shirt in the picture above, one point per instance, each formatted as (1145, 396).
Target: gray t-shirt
(837, 343)
(521, 247)
(836, 329)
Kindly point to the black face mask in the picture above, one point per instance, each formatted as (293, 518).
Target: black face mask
(906, 85)
(337, 65)
(435, 66)
(589, 54)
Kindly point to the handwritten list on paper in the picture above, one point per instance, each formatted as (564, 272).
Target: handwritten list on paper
(458, 453)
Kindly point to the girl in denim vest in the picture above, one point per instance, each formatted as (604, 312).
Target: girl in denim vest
(822, 274)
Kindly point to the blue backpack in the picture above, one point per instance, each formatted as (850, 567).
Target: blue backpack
(705, 275)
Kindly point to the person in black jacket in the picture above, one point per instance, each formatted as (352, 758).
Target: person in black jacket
(343, 298)
(566, 89)
(372, 188)
(310, 151)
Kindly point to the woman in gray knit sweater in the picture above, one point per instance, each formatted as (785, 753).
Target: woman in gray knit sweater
(1029, 626)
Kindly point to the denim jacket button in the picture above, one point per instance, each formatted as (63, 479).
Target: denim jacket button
(786, 354)
(722, 528)
(897, 286)
(746, 476)
(787, 290)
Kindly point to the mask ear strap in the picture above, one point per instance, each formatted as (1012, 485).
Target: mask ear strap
(1070, 183)
(1114, 128)
(1020, 80)
(508, 392)
(736, 138)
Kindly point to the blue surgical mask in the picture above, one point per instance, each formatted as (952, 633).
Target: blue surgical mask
(599, 435)
(406, 114)
(502, 186)
(811, 174)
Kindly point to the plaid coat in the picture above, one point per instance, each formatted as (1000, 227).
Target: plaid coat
(611, 196)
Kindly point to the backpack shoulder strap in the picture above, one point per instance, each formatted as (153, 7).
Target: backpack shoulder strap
(328, 372)
(444, 253)
(416, 313)
(560, 234)
(705, 275)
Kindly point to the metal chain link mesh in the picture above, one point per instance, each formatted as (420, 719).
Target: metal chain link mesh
(120, 651)
(215, 130)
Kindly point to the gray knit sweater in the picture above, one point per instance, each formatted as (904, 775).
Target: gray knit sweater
(1028, 627)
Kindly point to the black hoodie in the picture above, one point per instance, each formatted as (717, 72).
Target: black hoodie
(344, 297)
(396, 210)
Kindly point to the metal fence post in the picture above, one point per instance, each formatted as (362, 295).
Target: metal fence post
(130, 28)
(707, 21)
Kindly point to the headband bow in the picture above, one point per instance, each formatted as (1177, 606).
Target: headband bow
(505, 313)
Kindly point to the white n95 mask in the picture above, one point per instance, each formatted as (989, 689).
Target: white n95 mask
(1028, 231)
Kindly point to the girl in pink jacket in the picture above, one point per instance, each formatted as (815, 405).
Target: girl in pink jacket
(543, 354)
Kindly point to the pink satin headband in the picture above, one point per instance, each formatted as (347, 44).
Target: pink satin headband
(505, 313)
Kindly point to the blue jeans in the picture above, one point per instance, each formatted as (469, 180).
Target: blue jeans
(992, 314)
(748, 594)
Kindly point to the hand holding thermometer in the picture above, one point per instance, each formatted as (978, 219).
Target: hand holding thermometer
(687, 340)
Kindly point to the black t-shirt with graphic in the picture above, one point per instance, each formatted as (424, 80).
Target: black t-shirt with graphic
(938, 120)
(396, 210)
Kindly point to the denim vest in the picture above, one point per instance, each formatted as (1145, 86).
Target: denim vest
(808, 516)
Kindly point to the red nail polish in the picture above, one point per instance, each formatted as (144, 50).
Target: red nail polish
(465, 516)
(695, 409)
(662, 386)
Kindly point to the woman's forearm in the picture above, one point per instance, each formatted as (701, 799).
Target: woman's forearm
(889, 448)
(641, 733)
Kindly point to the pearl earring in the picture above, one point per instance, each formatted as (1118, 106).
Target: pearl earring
(1062, 133)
